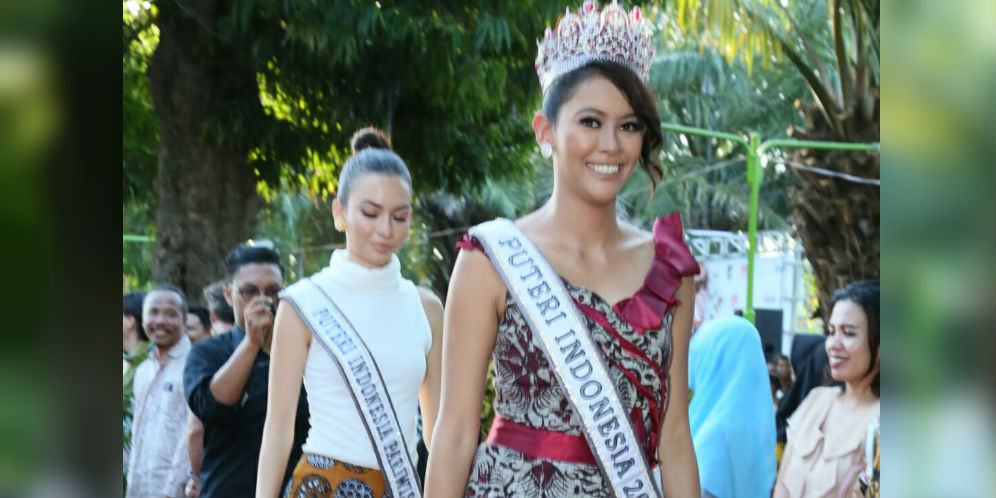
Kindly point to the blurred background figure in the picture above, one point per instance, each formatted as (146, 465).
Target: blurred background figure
(198, 324)
(198, 329)
(134, 341)
(783, 371)
(219, 311)
(776, 383)
(731, 414)
(135, 348)
(226, 382)
(827, 435)
(809, 358)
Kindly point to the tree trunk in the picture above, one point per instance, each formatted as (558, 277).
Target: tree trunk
(206, 190)
(837, 219)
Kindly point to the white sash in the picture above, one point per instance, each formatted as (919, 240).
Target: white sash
(574, 356)
(340, 340)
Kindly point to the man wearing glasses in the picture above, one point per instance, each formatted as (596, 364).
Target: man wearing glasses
(226, 378)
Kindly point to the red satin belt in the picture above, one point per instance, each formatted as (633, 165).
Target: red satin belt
(540, 443)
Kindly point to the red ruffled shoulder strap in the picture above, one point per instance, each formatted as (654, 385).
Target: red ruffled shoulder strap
(672, 261)
(469, 243)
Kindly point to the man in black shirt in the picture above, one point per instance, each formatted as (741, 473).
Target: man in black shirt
(226, 379)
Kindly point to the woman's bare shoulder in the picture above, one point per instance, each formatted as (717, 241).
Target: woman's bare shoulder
(429, 298)
(289, 323)
(636, 239)
(474, 275)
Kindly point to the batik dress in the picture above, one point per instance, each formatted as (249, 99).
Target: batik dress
(536, 447)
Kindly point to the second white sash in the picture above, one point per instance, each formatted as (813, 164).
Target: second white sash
(334, 332)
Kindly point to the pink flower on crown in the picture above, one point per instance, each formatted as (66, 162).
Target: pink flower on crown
(595, 34)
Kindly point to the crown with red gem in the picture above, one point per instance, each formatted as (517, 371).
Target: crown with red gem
(594, 34)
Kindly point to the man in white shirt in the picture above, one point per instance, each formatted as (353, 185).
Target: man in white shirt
(159, 463)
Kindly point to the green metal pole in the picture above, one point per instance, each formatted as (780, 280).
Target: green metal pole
(705, 133)
(812, 144)
(755, 150)
(754, 179)
(138, 238)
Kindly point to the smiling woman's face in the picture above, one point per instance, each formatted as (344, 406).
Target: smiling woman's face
(597, 140)
(847, 343)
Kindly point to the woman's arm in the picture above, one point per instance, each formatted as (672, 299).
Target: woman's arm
(288, 353)
(679, 470)
(428, 395)
(475, 297)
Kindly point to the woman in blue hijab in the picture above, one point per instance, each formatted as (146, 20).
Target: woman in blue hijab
(731, 414)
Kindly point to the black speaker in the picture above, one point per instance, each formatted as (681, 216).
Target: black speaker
(769, 325)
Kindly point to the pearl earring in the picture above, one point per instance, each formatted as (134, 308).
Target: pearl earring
(546, 149)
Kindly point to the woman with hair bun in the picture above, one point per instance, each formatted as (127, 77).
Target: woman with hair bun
(365, 341)
(369, 137)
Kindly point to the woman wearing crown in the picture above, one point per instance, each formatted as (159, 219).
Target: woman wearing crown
(586, 318)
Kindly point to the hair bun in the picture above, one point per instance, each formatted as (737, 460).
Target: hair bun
(369, 137)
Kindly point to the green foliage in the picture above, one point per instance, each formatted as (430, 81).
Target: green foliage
(441, 219)
(729, 25)
(833, 45)
(136, 255)
(488, 402)
(453, 84)
(139, 130)
(300, 225)
(139, 139)
(705, 178)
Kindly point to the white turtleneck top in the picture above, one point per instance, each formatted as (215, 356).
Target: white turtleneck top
(387, 313)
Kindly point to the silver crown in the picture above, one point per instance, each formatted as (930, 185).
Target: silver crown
(610, 34)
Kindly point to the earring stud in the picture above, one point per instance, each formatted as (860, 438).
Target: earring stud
(340, 224)
(546, 150)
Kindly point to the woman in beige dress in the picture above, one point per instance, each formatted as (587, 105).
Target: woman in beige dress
(825, 454)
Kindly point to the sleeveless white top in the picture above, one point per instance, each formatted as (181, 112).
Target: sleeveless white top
(387, 313)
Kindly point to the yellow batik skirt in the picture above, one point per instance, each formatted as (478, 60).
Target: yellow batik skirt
(321, 476)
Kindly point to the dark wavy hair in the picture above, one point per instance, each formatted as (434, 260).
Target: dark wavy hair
(864, 293)
(636, 93)
(132, 306)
